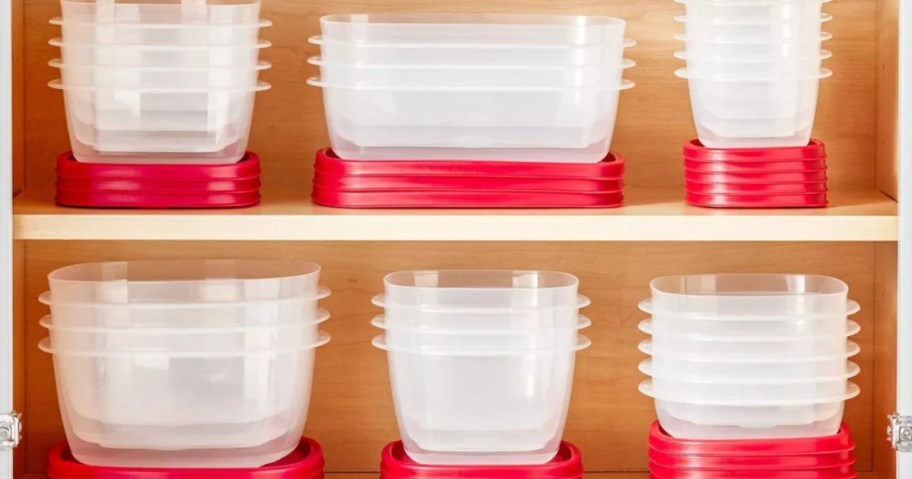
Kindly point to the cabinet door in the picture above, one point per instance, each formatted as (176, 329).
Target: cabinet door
(904, 270)
(6, 232)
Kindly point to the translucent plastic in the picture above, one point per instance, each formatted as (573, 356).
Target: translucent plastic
(493, 54)
(183, 340)
(184, 281)
(122, 125)
(849, 328)
(784, 13)
(146, 12)
(198, 78)
(782, 369)
(481, 289)
(679, 346)
(457, 76)
(481, 340)
(753, 30)
(235, 409)
(785, 420)
(496, 407)
(468, 29)
(747, 389)
(163, 34)
(749, 295)
(771, 51)
(159, 56)
(753, 112)
(748, 68)
(569, 125)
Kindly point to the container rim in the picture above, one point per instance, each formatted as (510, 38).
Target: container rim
(409, 279)
(472, 19)
(852, 349)
(247, 270)
(380, 342)
(47, 322)
(852, 370)
(852, 328)
(45, 346)
(215, 4)
(60, 21)
(852, 391)
(320, 40)
(664, 285)
(380, 322)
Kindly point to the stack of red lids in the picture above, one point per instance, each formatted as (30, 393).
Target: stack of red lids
(827, 457)
(466, 184)
(105, 185)
(395, 464)
(305, 462)
(792, 177)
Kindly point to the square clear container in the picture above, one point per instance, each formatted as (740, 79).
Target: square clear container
(243, 408)
(481, 408)
(781, 12)
(146, 12)
(462, 29)
(121, 125)
(183, 281)
(160, 56)
(456, 76)
(493, 54)
(199, 78)
(162, 34)
(561, 125)
(749, 295)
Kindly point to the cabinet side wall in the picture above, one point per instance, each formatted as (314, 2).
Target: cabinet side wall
(887, 96)
(885, 296)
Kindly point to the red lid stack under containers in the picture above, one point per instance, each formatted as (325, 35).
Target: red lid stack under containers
(829, 457)
(753, 71)
(148, 85)
(500, 93)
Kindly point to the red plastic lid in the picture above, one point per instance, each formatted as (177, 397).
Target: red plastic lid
(738, 462)
(659, 472)
(763, 177)
(155, 201)
(247, 168)
(327, 162)
(756, 188)
(394, 464)
(409, 183)
(754, 166)
(464, 199)
(157, 186)
(809, 200)
(306, 462)
(660, 441)
(694, 150)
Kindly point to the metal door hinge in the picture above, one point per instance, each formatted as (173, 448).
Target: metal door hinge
(10, 430)
(899, 432)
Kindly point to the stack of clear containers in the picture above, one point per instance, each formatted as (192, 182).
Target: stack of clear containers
(159, 81)
(471, 87)
(749, 356)
(481, 362)
(184, 364)
(753, 67)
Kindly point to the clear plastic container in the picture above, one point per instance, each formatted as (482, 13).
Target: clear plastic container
(481, 407)
(480, 339)
(774, 51)
(198, 78)
(751, 295)
(753, 112)
(120, 125)
(146, 12)
(163, 34)
(749, 388)
(236, 409)
(782, 12)
(458, 76)
(188, 316)
(848, 328)
(750, 68)
(493, 54)
(796, 326)
(480, 289)
(761, 420)
(159, 56)
(752, 30)
(783, 368)
(468, 318)
(468, 29)
(184, 281)
(183, 340)
(720, 350)
(563, 125)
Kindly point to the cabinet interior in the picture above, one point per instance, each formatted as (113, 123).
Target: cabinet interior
(351, 411)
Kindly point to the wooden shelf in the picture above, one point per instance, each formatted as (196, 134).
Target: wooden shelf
(649, 215)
